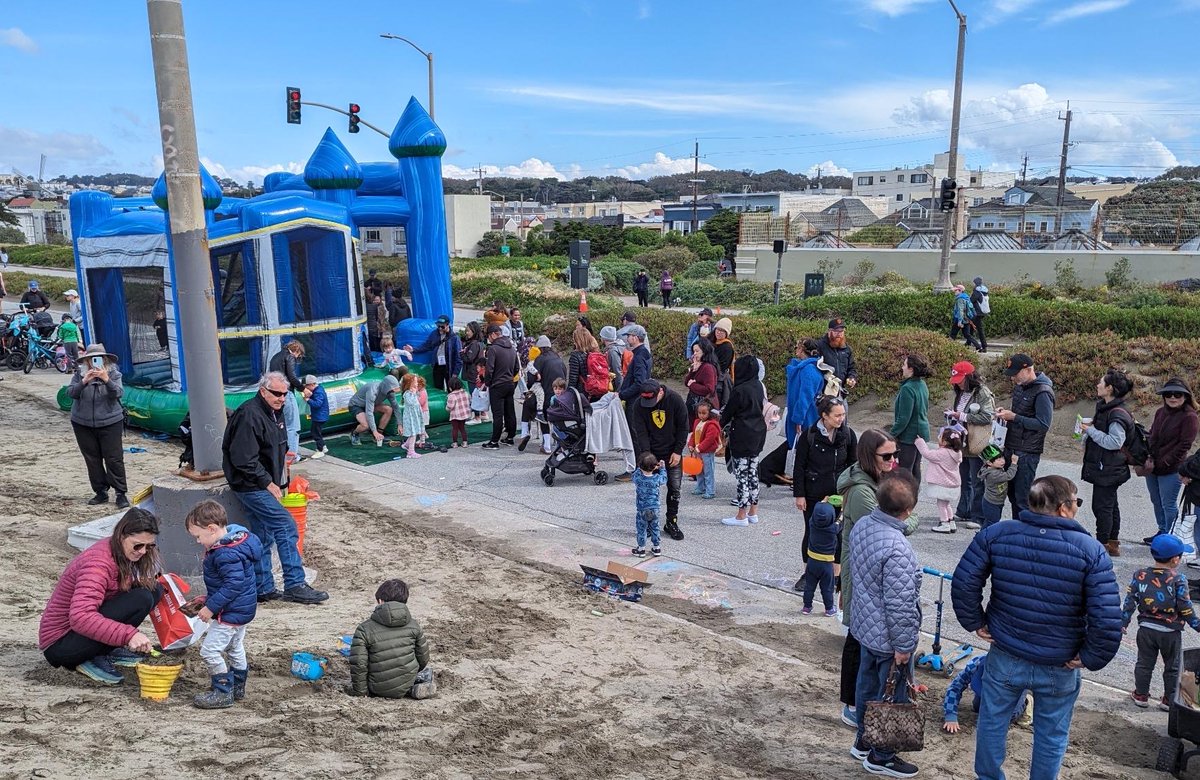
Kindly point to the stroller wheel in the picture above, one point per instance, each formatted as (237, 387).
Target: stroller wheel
(548, 478)
(601, 477)
(16, 360)
(1170, 751)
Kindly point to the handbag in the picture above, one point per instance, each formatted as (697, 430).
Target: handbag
(978, 438)
(1185, 528)
(999, 434)
(890, 726)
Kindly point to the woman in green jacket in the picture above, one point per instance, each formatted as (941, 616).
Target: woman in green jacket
(912, 411)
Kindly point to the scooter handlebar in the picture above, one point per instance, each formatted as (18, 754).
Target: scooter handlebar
(935, 573)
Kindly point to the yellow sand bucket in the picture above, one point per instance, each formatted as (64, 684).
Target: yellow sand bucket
(297, 506)
(157, 680)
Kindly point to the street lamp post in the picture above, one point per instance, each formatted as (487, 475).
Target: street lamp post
(428, 56)
(943, 281)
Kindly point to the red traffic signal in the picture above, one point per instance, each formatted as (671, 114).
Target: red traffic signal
(354, 120)
(293, 105)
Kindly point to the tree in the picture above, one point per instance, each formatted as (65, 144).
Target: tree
(537, 242)
(489, 245)
(57, 239)
(1159, 212)
(878, 234)
(722, 231)
(6, 216)
(11, 235)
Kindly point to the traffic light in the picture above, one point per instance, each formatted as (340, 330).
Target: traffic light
(949, 193)
(293, 105)
(354, 120)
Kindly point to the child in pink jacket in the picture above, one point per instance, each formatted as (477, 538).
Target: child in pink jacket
(942, 482)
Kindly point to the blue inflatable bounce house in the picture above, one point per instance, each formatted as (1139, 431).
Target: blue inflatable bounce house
(285, 266)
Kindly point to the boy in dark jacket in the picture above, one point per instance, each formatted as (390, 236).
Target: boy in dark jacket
(318, 414)
(389, 655)
(231, 602)
(823, 531)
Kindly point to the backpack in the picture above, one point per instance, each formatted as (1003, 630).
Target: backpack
(985, 305)
(667, 284)
(595, 381)
(1137, 441)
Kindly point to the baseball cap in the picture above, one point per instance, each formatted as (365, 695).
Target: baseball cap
(837, 323)
(990, 453)
(960, 370)
(71, 294)
(705, 310)
(629, 317)
(442, 320)
(1164, 547)
(649, 393)
(1017, 363)
(493, 329)
(33, 284)
(634, 330)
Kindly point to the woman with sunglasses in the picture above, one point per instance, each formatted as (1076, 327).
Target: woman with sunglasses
(1171, 437)
(91, 621)
(1104, 464)
(877, 455)
(98, 420)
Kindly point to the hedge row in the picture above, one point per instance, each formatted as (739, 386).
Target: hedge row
(42, 255)
(527, 290)
(16, 282)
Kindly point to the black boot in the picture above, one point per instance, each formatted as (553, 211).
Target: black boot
(99, 498)
(671, 529)
(221, 695)
(239, 683)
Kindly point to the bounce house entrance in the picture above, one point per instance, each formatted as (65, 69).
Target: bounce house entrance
(129, 315)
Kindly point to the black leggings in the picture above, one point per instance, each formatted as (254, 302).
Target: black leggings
(666, 296)
(851, 656)
(643, 298)
(130, 608)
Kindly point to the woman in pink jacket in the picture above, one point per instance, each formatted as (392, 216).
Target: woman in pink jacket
(91, 621)
(942, 480)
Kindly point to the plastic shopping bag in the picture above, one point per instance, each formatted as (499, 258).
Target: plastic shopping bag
(999, 434)
(174, 628)
(481, 400)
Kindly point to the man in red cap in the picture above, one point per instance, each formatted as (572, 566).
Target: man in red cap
(974, 408)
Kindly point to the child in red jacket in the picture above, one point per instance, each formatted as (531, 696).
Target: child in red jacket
(705, 439)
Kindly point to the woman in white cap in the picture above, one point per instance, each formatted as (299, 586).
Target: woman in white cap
(75, 309)
(99, 421)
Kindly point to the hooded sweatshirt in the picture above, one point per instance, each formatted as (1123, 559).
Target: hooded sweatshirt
(663, 428)
(744, 411)
(372, 393)
(96, 404)
(501, 366)
(387, 652)
(804, 383)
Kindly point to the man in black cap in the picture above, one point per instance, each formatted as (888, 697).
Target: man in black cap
(838, 355)
(1028, 421)
(700, 329)
(446, 347)
(660, 424)
(500, 376)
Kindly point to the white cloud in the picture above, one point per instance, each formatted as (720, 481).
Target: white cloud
(22, 147)
(894, 7)
(827, 168)
(643, 9)
(738, 102)
(1088, 8)
(245, 173)
(531, 168)
(16, 38)
(661, 165)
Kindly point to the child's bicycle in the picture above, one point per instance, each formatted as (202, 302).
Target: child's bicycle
(41, 355)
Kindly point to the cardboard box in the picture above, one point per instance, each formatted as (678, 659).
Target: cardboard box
(619, 581)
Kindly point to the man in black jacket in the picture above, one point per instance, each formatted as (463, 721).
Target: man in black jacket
(499, 375)
(253, 454)
(660, 422)
(837, 353)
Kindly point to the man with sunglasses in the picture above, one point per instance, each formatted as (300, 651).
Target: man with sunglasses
(253, 456)
(1054, 607)
(446, 347)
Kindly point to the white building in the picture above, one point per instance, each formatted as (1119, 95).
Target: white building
(900, 186)
(793, 202)
(40, 220)
(467, 219)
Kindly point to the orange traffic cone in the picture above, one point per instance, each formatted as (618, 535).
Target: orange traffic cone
(583, 301)
(718, 314)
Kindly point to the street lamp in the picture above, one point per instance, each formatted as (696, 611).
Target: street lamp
(428, 56)
(943, 280)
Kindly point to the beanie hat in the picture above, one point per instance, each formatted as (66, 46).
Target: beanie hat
(543, 341)
(726, 325)
(608, 333)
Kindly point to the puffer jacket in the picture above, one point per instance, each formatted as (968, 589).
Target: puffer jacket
(96, 404)
(804, 383)
(744, 411)
(88, 581)
(1053, 595)
(229, 576)
(1101, 466)
(387, 652)
(857, 489)
(885, 611)
(819, 461)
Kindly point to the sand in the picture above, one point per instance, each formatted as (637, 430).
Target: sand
(532, 683)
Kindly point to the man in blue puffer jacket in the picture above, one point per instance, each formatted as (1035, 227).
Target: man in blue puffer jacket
(231, 603)
(1054, 608)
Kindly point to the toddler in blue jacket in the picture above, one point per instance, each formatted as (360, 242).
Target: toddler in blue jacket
(230, 603)
(318, 414)
(972, 677)
(823, 531)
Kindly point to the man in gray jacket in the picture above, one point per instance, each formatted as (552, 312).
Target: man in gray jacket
(372, 397)
(885, 612)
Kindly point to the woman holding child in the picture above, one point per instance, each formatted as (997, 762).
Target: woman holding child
(91, 620)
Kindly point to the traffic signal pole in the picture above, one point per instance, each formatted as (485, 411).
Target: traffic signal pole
(943, 280)
(346, 113)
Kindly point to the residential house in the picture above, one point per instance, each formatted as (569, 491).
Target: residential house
(900, 186)
(678, 216)
(41, 220)
(1032, 210)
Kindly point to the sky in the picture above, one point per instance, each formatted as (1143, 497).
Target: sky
(615, 87)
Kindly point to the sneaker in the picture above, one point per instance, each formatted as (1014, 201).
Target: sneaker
(122, 501)
(858, 750)
(708, 496)
(806, 610)
(122, 657)
(1164, 704)
(799, 586)
(545, 451)
(735, 521)
(1148, 540)
(507, 442)
(944, 528)
(271, 595)
(522, 443)
(626, 477)
(1194, 563)
(355, 440)
(733, 502)
(294, 462)
(894, 767)
(303, 594)
(1140, 699)
(752, 519)
(831, 612)
(850, 718)
(99, 498)
(474, 421)
(671, 529)
(697, 491)
(639, 552)
(656, 551)
(318, 454)
(491, 445)
(101, 670)
(970, 525)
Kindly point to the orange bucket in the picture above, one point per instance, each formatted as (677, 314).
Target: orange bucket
(297, 506)
(692, 466)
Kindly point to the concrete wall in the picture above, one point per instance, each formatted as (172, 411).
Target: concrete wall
(921, 265)
(468, 217)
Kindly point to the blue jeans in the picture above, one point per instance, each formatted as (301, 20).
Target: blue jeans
(291, 421)
(647, 522)
(1164, 494)
(873, 671)
(706, 483)
(1005, 679)
(970, 495)
(271, 523)
(991, 513)
(1018, 488)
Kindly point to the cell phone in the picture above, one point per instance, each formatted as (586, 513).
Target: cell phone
(97, 362)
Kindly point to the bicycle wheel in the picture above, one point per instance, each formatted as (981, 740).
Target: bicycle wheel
(62, 364)
(41, 362)
(28, 364)
(16, 360)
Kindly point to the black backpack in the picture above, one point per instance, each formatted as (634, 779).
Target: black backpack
(1137, 441)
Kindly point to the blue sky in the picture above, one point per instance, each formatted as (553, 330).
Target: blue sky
(597, 87)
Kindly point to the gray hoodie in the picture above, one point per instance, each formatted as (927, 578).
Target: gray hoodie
(97, 403)
(372, 393)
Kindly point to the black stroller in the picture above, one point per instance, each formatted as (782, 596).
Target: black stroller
(570, 454)
(1183, 720)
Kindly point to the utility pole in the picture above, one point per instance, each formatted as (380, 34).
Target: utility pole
(1024, 168)
(943, 280)
(1062, 167)
(1024, 206)
(189, 238)
(695, 185)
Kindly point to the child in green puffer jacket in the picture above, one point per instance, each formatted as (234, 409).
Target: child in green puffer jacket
(389, 655)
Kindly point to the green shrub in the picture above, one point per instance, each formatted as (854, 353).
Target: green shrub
(618, 273)
(892, 278)
(1120, 276)
(862, 271)
(703, 269)
(670, 258)
(1065, 278)
(43, 255)
(17, 282)
(734, 294)
(527, 290)
(1141, 298)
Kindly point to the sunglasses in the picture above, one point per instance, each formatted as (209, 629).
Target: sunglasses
(1174, 395)
(139, 546)
(1078, 503)
(276, 393)
(886, 456)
